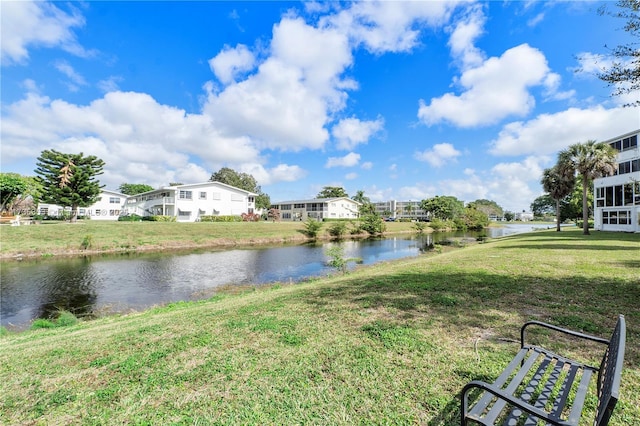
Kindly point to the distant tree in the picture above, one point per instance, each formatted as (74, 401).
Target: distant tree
(559, 183)
(26, 202)
(589, 160)
(488, 207)
(134, 188)
(244, 181)
(366, 207)
(274, 214)
(69, 180)
(408, 209)
(360, 197)
(332, 192)
(11, 186)
(509, 216)
(443, 207)
(474, 219)
(624, 73)
(543, 205)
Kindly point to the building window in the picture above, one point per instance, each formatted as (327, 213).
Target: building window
(286, 215)
(184, 214)
(114, 200)
(285, 207)
(216, 196)
(44, 211)
(608, 199)
(203, 195)
(298, 206)
(186, 195)
(623, 217)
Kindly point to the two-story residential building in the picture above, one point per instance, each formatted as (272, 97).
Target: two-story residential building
(187, 203)
(318, 208)
(617, 197)
(108, 207)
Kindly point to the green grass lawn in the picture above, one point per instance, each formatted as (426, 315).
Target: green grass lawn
(392, 343)
(55, 238)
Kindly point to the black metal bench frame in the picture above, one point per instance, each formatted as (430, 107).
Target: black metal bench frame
(539, 385)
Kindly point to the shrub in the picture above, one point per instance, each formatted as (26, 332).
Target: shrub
(311, 228)
(337, 259)
(337, 229)
(224, 218)
(356, 227)
(250, 217)
(373, 224)
(160, 218)
(87, 242)
(63, 319)
(419, 227)
(130, 218)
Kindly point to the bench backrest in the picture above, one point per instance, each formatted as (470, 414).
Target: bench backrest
(610, 373)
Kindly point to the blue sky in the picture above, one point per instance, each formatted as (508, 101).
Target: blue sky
(403, 100)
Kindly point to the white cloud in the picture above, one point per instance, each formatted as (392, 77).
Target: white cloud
(351, 176)
(287, 103)
(389, 26)
(491, 92)
(438, 155)
(110, 84)
(350, 132)
(464, 34)
(230, 62)
(76, 79)
(367, 165)
(121, 128)
(349, 160)
(27, 24)
(269, 176)
(549, 133)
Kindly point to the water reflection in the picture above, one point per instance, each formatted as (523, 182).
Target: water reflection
(33, 289)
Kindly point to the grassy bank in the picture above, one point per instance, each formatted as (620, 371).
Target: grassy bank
(391, 343)
(61, 238)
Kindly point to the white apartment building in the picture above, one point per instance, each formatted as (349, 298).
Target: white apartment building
(318, 208)
(187, 203)
(108, 207)
(400, 210)
(617, 197)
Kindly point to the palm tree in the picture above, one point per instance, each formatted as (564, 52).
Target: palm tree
(589, 160)
(558, 183)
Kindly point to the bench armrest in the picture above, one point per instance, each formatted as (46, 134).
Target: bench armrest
(561, 330)
(499, 393)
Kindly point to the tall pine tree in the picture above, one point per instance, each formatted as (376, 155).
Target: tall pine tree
(69, 180)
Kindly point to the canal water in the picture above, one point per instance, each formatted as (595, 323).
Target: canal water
(119, 283)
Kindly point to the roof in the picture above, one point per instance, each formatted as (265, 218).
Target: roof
(191, 185)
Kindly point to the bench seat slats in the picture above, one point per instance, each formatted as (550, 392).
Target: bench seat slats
(486, 399)
(541, 386)
(581, 394)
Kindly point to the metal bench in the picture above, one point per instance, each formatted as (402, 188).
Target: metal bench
(541, 387)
